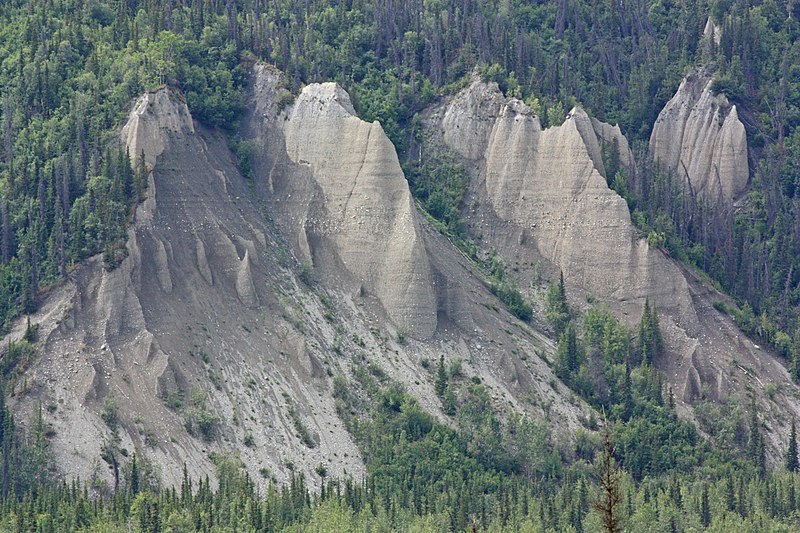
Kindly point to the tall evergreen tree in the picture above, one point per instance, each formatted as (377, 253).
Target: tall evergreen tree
(567, 354)
(557, 309)
(705, 509)
(792, 464)
(441, 378)
(651, 344)
(607, 476)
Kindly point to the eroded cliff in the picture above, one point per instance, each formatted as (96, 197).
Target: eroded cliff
(212, 336)
(539, 198)
(356, 207)
(191, 342)
(699, 137)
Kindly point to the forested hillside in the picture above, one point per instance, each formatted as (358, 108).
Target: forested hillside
(71, 68)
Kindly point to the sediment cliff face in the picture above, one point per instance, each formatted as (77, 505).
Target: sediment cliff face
(698, 135)
(540, 199)
(339, 198)
(544, 192)
(194, 327)
(210, 337)
(359, 206)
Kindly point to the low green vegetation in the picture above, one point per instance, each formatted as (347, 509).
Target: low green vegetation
(476, 474)
(198, 419)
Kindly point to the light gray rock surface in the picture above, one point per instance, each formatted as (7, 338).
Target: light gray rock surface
(546, 188)
(200, 307)
(339, 197)
(367, 217)
(698, 135)
(343, 200)
(712, 32)
(155, 117)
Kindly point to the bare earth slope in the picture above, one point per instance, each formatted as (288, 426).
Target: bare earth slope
(201, 307)
(539, 198)
(205, 340)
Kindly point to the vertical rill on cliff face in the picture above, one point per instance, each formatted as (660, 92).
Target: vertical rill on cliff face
(699, 137)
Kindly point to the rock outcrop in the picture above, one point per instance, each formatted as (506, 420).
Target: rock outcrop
(212, 318)
(198, 318)
(155, 117)
(546, 189)
(712, 32)
(351, 207)
(338, 195)
(698, 135)
(538, 198)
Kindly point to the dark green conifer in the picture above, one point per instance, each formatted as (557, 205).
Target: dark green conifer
(705, 510)
(567, 354)
(792, 464)
(556, 308)
(134, 481)
(651, 344)
(441, 378)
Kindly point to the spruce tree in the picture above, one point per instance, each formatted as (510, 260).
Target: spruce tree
(441, 378)
(791, 453)
(651, 343)
(134, 479)
(730, 494)
(449, 402)
(608, 476)
(627, 394)
(557, 310)
(755, 445)
(794, 368)
(567, 356)
(705, 510)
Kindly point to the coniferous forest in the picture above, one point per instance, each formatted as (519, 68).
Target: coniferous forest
(69, 70)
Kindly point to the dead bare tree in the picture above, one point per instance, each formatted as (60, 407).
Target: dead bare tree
(608, 475)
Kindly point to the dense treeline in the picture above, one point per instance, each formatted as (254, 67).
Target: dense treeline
(473, 474)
